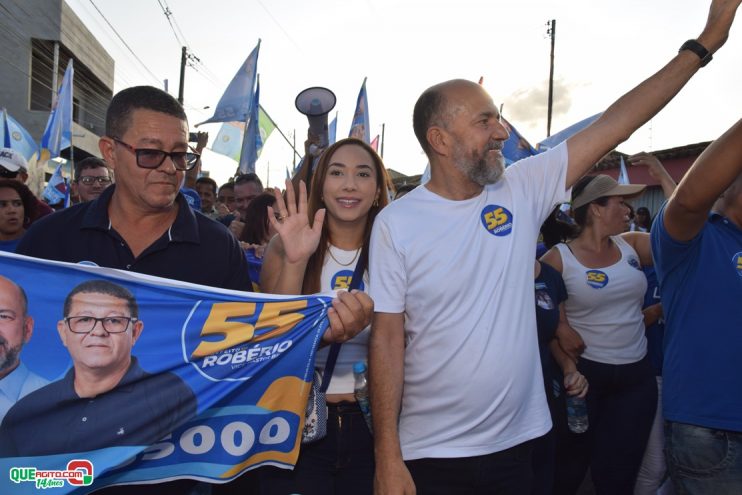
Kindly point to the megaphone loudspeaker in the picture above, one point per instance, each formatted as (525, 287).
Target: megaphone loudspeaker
(316, 102)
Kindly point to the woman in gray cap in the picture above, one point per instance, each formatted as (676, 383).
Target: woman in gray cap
(601, 266)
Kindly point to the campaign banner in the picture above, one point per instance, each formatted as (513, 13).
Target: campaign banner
(127, 378)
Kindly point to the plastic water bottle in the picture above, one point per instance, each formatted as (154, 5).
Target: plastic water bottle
(361, 392)
(576, 414)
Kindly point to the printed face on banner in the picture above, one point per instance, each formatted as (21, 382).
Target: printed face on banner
(221, 378)
(99, 350)
(15, 326)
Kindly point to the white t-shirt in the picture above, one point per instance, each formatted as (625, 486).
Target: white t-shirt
(462, 274)
(337, 276)
(605, 305)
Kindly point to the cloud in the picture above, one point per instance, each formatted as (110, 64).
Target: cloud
(528, 107)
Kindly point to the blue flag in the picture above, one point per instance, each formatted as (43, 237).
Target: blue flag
(623, 174)
(360, 127)
(252, 142)
(234, 106)
(216, 384)
(332, 130)
(58, 133)
(563, 135)
(516, 147)
(57, 190)
(14, 136)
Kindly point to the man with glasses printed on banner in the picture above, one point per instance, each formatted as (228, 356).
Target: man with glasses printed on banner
(106, 399)
(92, 177)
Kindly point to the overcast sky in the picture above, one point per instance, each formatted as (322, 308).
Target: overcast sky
(603, 48)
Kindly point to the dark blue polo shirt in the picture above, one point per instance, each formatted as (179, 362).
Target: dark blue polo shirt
(140, 410)
(194, 249)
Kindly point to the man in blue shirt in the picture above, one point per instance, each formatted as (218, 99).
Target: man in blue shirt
(16, 328)
(106, 399)
(697, 248)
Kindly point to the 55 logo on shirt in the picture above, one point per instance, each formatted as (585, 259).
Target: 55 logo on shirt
(596, 279)
(342, 279)
(497, 220)
(737, 261)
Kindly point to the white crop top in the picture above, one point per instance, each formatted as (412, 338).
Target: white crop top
(337, 276)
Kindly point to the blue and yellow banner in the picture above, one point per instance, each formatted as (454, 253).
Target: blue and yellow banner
(120, 377)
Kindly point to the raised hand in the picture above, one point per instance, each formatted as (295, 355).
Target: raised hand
(656, 170)
(720, 18)
(291, 221)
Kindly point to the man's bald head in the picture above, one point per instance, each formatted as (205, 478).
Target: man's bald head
(16, 292)
(437, 105)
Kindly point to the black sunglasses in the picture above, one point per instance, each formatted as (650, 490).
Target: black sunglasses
(151, 158)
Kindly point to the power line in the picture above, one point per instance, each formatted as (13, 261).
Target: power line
(124, 42)
(168, 13)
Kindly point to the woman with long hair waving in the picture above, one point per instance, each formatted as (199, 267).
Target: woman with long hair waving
(319, 243)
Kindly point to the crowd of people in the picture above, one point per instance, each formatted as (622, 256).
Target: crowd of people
(472, 344)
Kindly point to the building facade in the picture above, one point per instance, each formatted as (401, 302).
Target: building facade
(38, 38)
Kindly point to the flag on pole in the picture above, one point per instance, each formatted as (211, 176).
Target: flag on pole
(623, 175)
(251, 142)
(332, 130)
(58, 133)
(555, 139)
(360, 127)
(14, 136)
(57, 189)
(515, 147)
(375, 143)
(234, 106)
(228, 141)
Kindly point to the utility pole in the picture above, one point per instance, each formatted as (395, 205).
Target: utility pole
(183, 58)
(383, 127)
(551, 32)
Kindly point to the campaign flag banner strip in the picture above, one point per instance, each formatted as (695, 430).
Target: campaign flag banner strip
(15, 136)
(228, 141)
(58, 133)
(515, 147)
(360, 128)
(234, 105)
(252, 142)
(623, 174)
(553, 140)
(217, 382)
(57, 190)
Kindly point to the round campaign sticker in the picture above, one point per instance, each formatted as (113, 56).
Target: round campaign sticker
(737, 262)
(497, 220)
(342, 279)
(596, 279)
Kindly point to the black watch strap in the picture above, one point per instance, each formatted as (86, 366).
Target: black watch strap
(699, 50)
